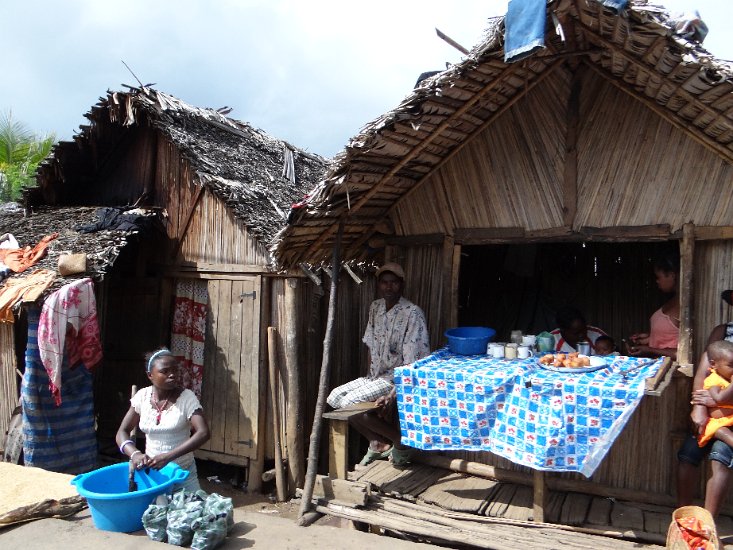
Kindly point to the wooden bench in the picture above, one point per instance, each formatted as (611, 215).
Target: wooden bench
(338, 437)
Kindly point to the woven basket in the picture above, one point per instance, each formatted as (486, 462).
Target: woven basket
(70, 264)
(674, 534)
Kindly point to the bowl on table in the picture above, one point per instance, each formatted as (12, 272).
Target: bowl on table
(469, 340)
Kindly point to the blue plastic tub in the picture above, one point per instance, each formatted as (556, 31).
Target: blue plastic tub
(469, 340)
(112, 506)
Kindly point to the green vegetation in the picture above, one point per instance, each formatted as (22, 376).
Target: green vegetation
(20, 153)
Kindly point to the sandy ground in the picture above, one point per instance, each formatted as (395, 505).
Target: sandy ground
(259, 523)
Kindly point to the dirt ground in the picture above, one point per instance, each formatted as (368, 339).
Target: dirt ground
(259, 523)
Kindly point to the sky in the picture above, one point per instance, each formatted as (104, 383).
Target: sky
(311, 72)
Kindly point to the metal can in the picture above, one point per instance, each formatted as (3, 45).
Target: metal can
(584, 348)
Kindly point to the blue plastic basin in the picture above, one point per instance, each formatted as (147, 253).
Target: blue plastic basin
(112, 506)
(469, 340)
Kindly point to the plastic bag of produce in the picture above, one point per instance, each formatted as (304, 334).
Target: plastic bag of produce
(217, 505)
(184, 509)
(209, 531)
(155, 519)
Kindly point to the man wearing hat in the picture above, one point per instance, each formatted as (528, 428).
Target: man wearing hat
(396, 335)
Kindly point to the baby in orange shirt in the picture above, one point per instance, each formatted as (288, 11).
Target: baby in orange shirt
(720, 357)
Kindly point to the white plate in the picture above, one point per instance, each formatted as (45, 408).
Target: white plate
(590, 368)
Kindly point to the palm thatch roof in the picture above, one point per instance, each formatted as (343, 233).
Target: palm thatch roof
(638, 52)
(101, 247)
(257, 175)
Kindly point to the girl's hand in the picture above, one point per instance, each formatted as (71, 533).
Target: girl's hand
(640, 338)
(637, 350)
(140, 460)
(158, 461)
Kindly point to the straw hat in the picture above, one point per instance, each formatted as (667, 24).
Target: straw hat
(393, 268)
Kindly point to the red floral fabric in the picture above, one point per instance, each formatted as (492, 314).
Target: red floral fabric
(189, 331)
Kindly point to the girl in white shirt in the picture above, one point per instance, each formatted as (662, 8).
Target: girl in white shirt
(171, 418)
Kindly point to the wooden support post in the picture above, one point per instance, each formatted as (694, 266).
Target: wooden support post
(273, 378)
(294, 422)
(540, 496)
(315, 439)
(455, 273)
(338, 448)
(338, 437)
(686, 290)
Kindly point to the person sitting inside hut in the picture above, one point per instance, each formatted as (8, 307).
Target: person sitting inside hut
(604, 345)
(720, 417)
(396, 335)
(572, 328)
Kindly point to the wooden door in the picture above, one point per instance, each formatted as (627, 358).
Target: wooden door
(229, 393)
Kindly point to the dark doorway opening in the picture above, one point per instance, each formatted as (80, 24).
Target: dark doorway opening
(521, 286)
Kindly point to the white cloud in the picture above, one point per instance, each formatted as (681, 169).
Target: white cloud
(312, 72)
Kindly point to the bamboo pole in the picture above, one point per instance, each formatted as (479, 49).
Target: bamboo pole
(293, 373)
(315, 439)
(273, 371)
(686, 291)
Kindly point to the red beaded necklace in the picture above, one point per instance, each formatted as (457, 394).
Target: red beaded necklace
(158, 407)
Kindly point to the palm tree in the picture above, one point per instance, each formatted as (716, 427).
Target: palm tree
(20, 153)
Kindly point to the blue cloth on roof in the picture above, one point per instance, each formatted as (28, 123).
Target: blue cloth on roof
(615, 5)
(524, 28)
(59, 439)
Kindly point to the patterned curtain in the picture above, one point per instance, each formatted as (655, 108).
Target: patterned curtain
(189, 331)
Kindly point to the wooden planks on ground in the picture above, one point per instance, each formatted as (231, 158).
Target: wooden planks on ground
(462, 494)
(575, 509)
(600, 511)
(406, 483)
(624, 516)
(441, 526)
(459, 492)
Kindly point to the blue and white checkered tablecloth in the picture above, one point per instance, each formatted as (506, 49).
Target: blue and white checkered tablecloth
(554, 421)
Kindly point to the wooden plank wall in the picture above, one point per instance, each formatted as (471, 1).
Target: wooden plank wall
(633, 169)
(215, 236)
(9, 382)
(424, 285)
(713, 274)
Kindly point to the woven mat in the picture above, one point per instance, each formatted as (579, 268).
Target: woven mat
(22, 486)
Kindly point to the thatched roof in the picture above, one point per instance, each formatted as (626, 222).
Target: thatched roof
(101, 247)
(257, 175)
(638, 52)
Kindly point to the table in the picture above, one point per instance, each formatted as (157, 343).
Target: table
(549, 421)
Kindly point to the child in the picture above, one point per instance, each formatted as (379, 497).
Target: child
(171, 418)
(604, 345)
(720, 357)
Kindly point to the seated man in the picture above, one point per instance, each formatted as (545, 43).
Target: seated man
(396, 335)
(572, 329)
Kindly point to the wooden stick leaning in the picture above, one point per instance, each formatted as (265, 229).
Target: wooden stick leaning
(273, 371)
(131, 483)
(315, 439)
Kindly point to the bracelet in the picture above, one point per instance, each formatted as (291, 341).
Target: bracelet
(134, 453)
(124, 443)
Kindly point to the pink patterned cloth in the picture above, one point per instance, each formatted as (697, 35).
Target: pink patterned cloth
(189, 331)
(68, 326)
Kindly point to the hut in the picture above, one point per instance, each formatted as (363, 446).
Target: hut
(200, 277)
(509, 189)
